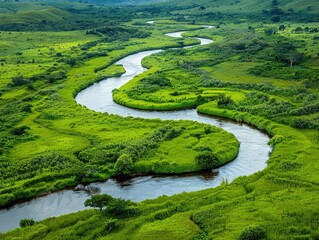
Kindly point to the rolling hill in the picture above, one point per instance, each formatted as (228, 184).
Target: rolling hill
(248, 6)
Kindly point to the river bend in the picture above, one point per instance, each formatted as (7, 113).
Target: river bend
(252, 156)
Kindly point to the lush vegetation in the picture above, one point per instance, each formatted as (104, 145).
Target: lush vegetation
(48, 142)
(261, 70)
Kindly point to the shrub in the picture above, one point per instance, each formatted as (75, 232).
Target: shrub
(271, 31)
(223, 99)
(19, 130)
(27, 107)
(71, 61)
(253, 232)
(111, 224)
(207, 159)
(25, 222)
(172, 133)
(119, 207)
(19, 80)
(124, 164)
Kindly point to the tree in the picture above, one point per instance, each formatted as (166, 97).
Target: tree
(118, 206)
(293, 56)
(275, 18)
(124, 164)
(287, 53)
(277, 11)
(98, 201)
(71, 61)
(282, 27)
(298, 30)
(113, 206)
(270, 31)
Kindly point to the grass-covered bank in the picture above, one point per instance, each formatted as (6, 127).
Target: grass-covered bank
(279, 202)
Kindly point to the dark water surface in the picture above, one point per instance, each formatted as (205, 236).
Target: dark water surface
(252, 157)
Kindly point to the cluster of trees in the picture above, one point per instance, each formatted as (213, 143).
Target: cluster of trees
(295, 113)
(49, 76)
(119, 33)
(306, 29)
(306, 75)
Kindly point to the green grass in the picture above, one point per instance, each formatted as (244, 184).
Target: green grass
(50, 14)
(178, 226)
(239, 74)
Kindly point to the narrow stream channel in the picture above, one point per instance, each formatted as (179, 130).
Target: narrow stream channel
(252, 157)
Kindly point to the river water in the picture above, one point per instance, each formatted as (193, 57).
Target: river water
(252, 156)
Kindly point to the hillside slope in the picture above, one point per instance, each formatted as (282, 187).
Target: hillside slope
(248, 6)
(49, 14)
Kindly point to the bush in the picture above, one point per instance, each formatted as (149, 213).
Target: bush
(27, 108)
(207, 159)
(124, 164)
(25, 222)
(253, 232)
(119, 207)
(20, 130)
(223, 99)
(71, 61)
(111, 224)
(19, 80)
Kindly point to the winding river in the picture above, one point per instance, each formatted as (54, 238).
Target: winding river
(252, 157)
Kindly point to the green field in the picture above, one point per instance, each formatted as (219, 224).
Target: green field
(258, 71)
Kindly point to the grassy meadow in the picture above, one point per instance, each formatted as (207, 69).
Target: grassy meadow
(264, 74)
